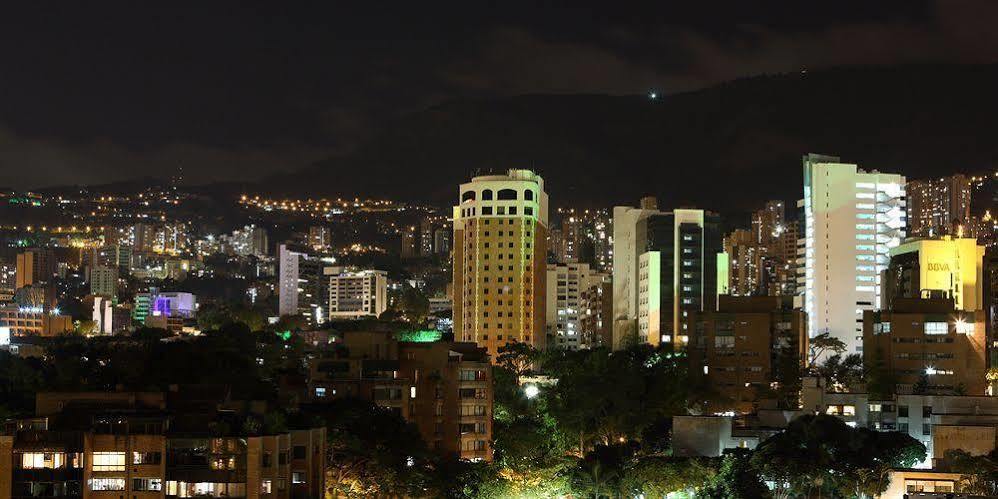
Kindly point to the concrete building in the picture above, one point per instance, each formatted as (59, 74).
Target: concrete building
(118, 444)
(745, 263)
(945, 266)
(938, 207)
(8, 278)
(164, 309)
(710, 436)
(410, 242)
(927, 341)
(566, 305)
(248, 241)
(441, 240)
(320, 237)
(852, 218)
(596, 310)
(940, 422)
(104, 281)
(444, 388)
(740, 347)
(34, 321)
(500, 234)
(301, 286)
(109, 317)
(665, 266)
(34, 266)
(585, 237)
(356, 293)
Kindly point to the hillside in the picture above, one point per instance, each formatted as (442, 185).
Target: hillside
(726, 147)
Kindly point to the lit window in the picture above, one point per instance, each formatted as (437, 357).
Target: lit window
(99, 484)
(147, 484)
(936, 328)
(109, 461)
(320, 391)
(47, 460)
(266, 486)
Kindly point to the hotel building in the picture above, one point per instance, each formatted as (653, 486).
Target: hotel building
(500, 233)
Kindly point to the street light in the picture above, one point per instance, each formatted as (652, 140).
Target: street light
(531, 391)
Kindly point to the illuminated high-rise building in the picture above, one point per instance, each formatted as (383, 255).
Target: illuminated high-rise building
(320, 237)
(745, 263)
(938, 207)
(500, 234)
(942, 267)
(302, 286)
(410, 242)
(852, 218)
(568, 304)
(426, 226)
(768, 222)
(585, 237)
(665, 265)
(34, 266)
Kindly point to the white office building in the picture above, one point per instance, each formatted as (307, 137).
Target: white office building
(355, 294)
(852, 218)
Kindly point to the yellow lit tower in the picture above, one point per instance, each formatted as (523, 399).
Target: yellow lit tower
(500, 229)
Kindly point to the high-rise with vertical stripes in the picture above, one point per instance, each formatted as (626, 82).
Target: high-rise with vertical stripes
(500, 232)
(852, 218)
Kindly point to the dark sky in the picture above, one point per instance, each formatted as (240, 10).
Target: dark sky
(100, 91)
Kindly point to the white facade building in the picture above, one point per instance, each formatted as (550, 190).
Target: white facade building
(629, 241)
(354, 294)
(852, 219)
(566, 284)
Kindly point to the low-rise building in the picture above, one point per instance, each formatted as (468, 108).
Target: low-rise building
(443, 387)
(42, 321)
(738, 348)
(927, 346)
(131, 444)
(355, 294)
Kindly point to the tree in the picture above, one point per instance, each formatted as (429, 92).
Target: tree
(414, 305)
(980, 473)
(787, 372)
(518, 358)
(821, 454)
(736, 478)
(842, 373)
(85, 327)
(372, 452)
(659, 476)
(820, 345)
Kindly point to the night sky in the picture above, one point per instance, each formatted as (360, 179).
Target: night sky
(94, 94)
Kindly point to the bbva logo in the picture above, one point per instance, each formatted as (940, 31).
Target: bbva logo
(941, 267)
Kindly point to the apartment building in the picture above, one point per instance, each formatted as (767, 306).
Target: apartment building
(133, 444)
(443, 387)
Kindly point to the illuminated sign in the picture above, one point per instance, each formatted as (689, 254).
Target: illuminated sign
(4, 336)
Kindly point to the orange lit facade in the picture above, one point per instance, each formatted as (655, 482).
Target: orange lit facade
(500, 234)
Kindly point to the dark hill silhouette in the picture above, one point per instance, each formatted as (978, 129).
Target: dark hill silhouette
(726, 147)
